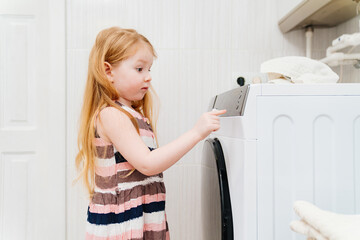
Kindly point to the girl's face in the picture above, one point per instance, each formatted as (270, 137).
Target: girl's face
(131, 77)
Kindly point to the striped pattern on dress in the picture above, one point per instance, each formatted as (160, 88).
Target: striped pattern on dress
(131, 207)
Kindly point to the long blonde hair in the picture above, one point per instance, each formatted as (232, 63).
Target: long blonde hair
(112, 45)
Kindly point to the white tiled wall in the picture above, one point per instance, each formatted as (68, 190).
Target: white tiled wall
(200, 44)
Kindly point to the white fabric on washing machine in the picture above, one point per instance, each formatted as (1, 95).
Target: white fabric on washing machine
(296, 69)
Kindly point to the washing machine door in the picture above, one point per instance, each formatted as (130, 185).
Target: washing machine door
(216, 205)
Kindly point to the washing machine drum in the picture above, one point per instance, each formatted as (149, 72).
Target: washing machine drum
(216, 206)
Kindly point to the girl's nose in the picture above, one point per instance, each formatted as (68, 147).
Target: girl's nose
(148, 77)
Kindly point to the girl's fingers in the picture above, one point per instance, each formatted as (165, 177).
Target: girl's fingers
(217, 112)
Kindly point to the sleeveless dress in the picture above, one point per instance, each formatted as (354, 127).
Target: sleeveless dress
(126, 207)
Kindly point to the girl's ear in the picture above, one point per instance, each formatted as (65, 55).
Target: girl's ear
(108, 71)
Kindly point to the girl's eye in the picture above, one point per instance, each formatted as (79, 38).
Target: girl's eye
(139, 69)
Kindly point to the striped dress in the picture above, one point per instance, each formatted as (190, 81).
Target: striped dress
(126, 207)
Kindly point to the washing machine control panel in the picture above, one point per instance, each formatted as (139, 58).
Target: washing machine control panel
(233, 101)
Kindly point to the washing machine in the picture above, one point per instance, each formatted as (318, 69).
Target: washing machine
(278, 144)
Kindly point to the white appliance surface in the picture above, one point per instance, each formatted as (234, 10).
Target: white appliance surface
(293, 142)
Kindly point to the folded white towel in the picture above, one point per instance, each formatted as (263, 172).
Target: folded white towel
(296, 69)
(305, 229)
(325, 225)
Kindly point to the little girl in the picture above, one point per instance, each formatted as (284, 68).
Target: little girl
(118, 157)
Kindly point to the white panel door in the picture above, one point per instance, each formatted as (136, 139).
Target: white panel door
(32, 119)
(308, 149)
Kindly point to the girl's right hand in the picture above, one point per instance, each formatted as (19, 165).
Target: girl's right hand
(208, 123)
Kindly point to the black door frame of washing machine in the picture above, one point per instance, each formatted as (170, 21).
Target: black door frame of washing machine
(227, 231)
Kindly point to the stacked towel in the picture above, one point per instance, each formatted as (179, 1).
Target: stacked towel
(324, 225)
(295, 69)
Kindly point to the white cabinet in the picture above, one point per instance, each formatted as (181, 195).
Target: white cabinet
(32, 121)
